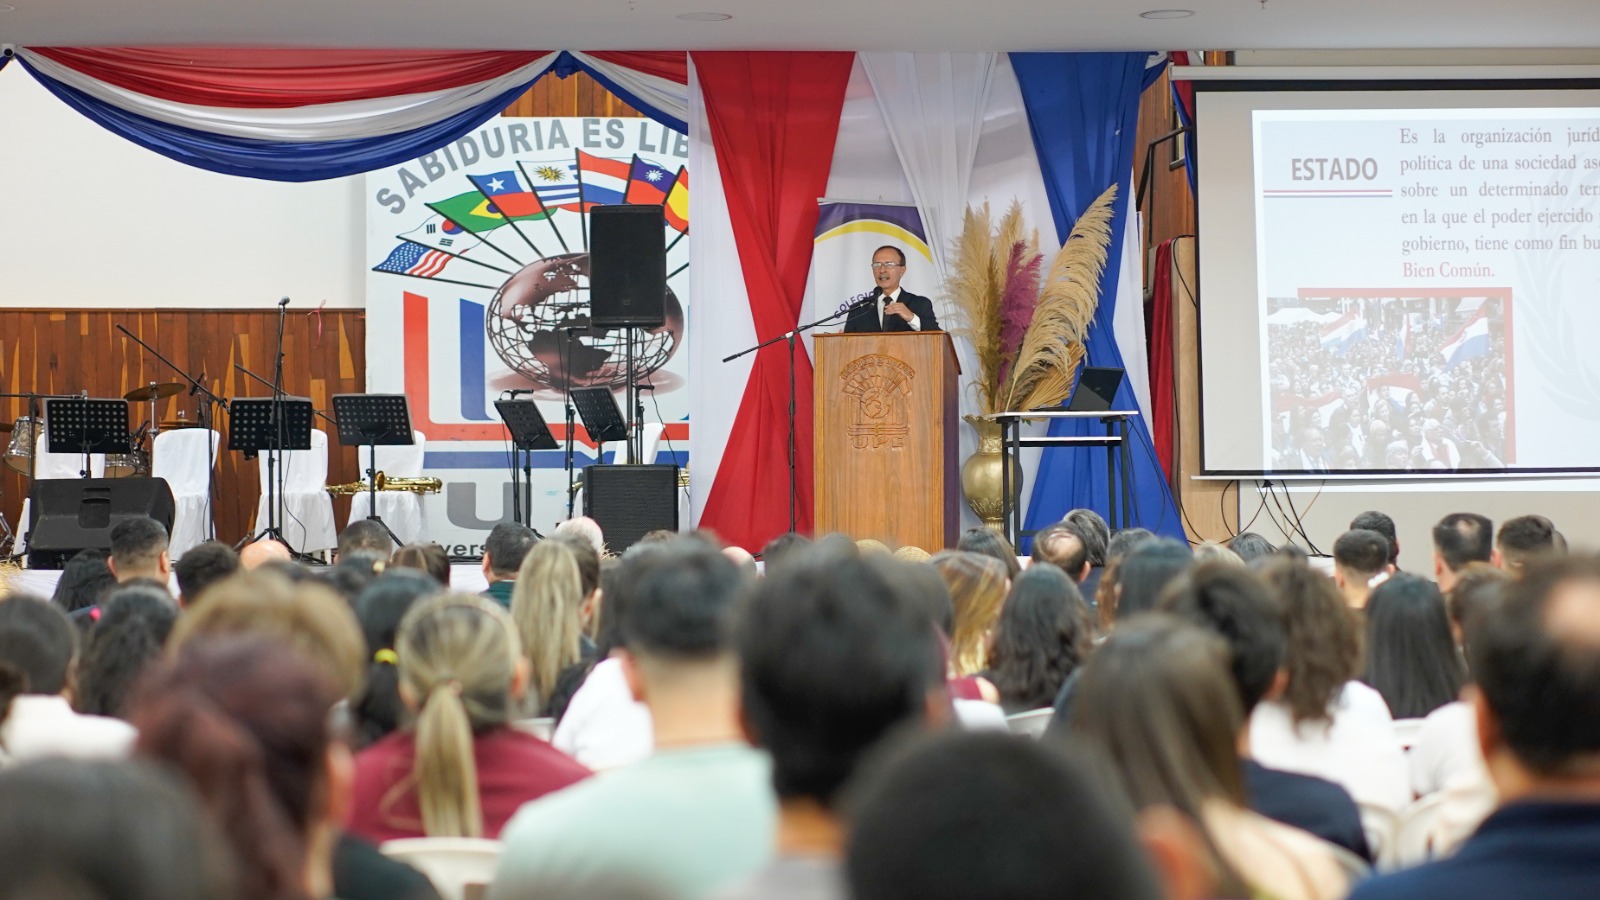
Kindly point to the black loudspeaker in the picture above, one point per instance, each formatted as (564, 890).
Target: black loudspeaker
(630, 501)
(627, 266)
(72, 514)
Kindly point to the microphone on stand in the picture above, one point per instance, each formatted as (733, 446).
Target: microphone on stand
(284, 302)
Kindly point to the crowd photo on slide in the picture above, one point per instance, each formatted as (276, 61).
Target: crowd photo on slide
(1389, 384)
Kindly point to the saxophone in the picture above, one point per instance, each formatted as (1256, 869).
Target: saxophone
(385, 483)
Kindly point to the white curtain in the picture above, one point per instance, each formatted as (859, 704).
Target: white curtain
(660, 94)
(1127, 319)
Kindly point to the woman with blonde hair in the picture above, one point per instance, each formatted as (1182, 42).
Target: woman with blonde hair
(978, 586)
(547, 607)
(460, 770)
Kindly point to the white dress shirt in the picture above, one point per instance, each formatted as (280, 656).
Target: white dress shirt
(42, 725)
(604, 727)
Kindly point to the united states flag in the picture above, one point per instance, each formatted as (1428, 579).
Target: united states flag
(414, 259)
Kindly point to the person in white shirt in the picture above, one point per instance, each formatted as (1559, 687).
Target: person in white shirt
(38, 653)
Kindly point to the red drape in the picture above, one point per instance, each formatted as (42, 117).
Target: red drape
(284, 77)
(672, 65)
(773, 119)
(1163, 396)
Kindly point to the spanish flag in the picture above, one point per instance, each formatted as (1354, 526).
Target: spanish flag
(677, 204)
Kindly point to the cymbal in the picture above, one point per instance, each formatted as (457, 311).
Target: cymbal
(154, 392)
(179, 423)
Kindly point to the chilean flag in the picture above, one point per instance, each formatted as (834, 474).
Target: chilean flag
(1472, 340)
(1342, 333)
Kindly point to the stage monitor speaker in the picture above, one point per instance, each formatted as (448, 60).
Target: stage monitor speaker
(72, 514)
(630, 501)
(627, 266)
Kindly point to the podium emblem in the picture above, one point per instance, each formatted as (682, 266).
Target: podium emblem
(879, 386)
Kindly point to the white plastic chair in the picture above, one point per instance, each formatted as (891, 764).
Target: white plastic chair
(179, 456)
(1414, 840)
(458, 867)
(307, 509)
(54, 465)
(1031, 723)
(402, 511)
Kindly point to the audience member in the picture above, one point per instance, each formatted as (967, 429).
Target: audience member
(38, 645)
(1251, 546)
(1094, 531)
(461, 770)
(1141, 577)
(1478, 589)
(834, 656)
(978, 586)
(201, 566)
(744, 560)
(1042, 637)
(1157, 704)
(782, 547)
(429, 558)
(307, 615)
(585, 529)
(1326, 723)
(872, 547)
(1411, 659)
(1211, 551)
(504, 550)
(1047, 829)
(989, 543)
(909, 554)
(256, 554)
(1458, 539)
(364, 536)
(75, 830)
(132, 629)
(1372, 520)
(380, 608)
(1235, 604)
(1536, 661)
(352, 573)
(139, 550)
(1523, 539)
(1125, 541)
(1063, 546)
(1360, 563)
(699, 814)
(84, 581)
(547, 606)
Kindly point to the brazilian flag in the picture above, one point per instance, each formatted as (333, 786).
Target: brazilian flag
(477, 213)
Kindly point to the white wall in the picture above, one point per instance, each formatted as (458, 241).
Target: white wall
(89, 220)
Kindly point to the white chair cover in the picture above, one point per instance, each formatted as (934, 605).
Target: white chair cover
(180, 456)
(402, 511)
(53, 465)
(307, 509)
(452, 864)
(1031, 723)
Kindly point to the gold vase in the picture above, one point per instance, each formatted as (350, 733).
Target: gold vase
(982, 476)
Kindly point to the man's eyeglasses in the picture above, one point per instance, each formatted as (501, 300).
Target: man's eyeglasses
(886, 265)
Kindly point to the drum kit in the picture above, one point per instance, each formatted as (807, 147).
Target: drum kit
(25, 433)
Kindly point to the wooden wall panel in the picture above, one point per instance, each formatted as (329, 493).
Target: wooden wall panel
(64, 351)
(576, 95)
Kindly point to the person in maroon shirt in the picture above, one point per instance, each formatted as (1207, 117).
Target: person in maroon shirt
(461, 770)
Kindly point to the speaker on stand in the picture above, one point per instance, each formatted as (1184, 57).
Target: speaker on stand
(631, 501)
(73, 514)
(628, 285)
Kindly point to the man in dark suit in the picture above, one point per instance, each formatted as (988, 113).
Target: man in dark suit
(893, 309)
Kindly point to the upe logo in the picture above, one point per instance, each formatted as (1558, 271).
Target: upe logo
(879, 386)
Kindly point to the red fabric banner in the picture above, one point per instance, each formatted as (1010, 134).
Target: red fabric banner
(672, 65)
(279, 78)
(1163, 389)
(773, 118)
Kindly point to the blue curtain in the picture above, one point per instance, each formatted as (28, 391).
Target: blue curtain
(1082, 111)
(566, 64)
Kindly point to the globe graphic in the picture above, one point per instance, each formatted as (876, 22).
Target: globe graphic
(539, 324)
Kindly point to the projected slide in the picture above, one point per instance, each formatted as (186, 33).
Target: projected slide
(1427, 289)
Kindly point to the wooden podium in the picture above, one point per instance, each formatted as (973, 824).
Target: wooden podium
(886, 438)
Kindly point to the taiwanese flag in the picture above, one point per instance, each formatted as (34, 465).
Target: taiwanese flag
(508, 195)
(648, 183)
(677, 202)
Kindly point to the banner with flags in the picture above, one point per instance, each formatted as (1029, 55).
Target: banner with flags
(477, 277)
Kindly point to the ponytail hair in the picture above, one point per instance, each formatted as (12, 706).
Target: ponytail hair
(458, 657)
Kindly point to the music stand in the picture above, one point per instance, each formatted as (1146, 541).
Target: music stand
(369, 420)
(84, 426)
(528, 433)
(602, 418)
(252, 427)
